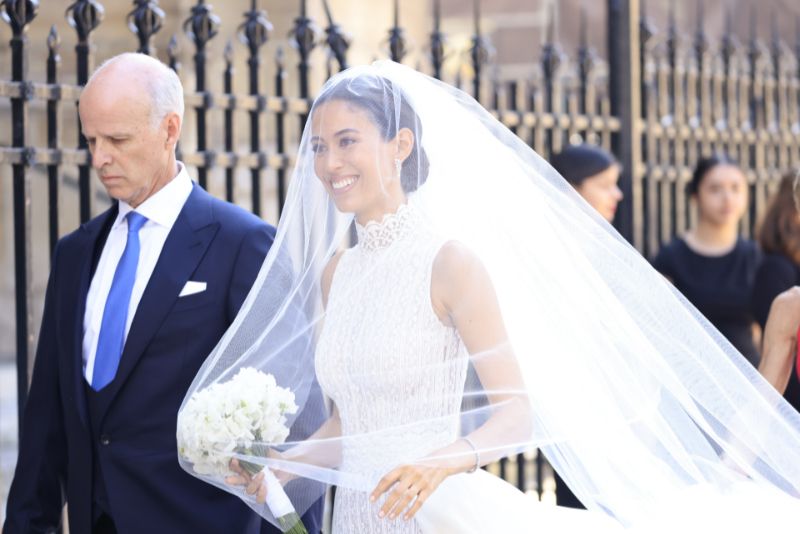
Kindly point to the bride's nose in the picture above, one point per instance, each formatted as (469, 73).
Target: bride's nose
(333, 161)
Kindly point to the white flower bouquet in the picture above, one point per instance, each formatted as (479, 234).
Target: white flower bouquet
(239, 417)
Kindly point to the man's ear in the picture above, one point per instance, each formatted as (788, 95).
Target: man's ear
(173, 125)
(405, 143)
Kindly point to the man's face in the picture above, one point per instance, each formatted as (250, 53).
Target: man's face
(130, 155)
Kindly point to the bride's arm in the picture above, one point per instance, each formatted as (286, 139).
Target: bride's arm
(313, 450)
(463, 296)
(316, 449)
(469, 302)
(321, 448)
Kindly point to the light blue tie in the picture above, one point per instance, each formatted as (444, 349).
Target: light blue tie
(115, 315)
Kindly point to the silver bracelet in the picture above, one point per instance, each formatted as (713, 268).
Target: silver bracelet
(477, 455)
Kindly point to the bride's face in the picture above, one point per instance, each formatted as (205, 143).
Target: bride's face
(353, 161)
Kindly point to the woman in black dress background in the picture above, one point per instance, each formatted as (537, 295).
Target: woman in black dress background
(779, 237)
(712, 264)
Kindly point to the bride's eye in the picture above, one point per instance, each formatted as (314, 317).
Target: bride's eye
(346, 141)
(318, 149)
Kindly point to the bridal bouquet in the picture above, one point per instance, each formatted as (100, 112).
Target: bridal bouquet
(240, 416)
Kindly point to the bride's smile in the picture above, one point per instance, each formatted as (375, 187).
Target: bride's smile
(342, 185)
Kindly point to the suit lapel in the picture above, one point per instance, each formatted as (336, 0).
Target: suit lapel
(92, 237)
(186, 244)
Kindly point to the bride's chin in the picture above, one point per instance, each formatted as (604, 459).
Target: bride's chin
(343, 206)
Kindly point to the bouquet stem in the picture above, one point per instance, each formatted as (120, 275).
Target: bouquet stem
(292, 524)
(289, 522)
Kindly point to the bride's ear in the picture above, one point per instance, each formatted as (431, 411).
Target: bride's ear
(405, 143)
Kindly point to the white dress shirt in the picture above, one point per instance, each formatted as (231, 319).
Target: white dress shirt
(161, 210)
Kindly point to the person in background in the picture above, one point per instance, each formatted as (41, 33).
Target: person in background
(779, 237)
(712, 264)
(594, 173)
(779, 354)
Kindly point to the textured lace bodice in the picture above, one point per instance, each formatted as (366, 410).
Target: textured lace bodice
(387, 361)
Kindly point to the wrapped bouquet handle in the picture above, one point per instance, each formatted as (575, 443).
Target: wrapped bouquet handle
(244, 415)
(280, 505)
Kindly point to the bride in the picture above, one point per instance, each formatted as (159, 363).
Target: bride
(472, 252)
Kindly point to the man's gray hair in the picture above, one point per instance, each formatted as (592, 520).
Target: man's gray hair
(163, 84)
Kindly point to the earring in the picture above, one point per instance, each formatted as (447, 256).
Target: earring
(398, 165)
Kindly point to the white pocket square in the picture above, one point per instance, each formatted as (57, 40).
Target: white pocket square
(192, 287)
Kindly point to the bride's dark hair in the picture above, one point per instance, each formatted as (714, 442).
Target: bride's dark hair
(388, 108)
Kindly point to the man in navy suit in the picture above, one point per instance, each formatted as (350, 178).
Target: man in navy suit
(137, 298)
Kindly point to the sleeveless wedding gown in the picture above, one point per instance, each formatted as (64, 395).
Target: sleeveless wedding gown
(381, 356)
(381, 350)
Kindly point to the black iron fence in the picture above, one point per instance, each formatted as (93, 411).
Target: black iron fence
(659, 102)
(739, 98)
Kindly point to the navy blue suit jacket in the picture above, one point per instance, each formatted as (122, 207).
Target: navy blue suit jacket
(170, 337)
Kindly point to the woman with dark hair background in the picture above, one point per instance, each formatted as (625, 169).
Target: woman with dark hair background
(594, 173)
(779, 237)
(712, 264)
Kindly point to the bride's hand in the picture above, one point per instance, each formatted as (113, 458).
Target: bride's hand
(253, 484)
(410, 482)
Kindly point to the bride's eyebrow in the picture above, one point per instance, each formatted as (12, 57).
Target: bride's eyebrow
(341, 132)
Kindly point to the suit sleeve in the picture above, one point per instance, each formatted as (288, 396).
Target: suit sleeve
(36, 497)
(250, 257)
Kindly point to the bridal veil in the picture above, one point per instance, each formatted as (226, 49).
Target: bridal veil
(635, 398)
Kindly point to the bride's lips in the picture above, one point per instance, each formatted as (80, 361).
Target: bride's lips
(342, 184)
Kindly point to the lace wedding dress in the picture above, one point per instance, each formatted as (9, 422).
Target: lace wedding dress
(380, 324)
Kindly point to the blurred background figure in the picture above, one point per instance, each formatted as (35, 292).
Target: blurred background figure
(779, 357)
(712, 264)
(779, 238)
(594, 173)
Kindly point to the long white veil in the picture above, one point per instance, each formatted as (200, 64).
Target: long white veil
(634, 396)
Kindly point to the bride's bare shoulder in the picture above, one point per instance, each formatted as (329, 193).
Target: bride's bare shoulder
(455, 259)
(457, 274)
